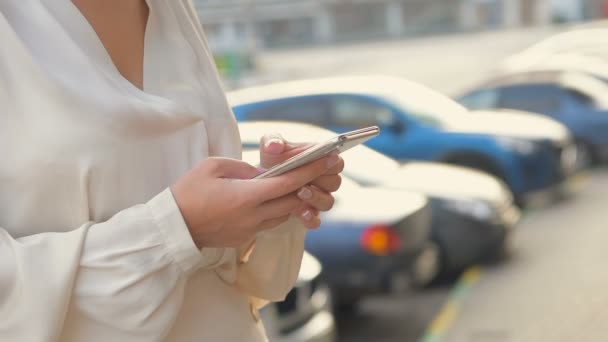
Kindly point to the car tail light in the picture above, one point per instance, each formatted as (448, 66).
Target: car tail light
(380, 240)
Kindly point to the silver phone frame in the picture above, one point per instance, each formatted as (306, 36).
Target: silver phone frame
(340, 143)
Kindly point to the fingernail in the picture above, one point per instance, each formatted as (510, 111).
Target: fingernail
(332, 160)
(274, 141)
(274, 146)
(261, 169)
(305, 194)
(307, 215)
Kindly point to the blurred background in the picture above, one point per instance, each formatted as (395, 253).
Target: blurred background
(478, 213)
(242, 33)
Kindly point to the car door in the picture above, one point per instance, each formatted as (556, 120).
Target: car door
(350, 112)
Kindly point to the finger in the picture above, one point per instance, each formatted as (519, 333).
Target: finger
(316, 198)
(272, 144)
(278, 207)
(272, 223)
(292, 181)
(328, 183)
(269, 159)
(310, 218)
(337, 169)
(229, 168)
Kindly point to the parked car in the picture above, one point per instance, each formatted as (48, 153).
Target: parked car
(593, 66)
(585, 41)
(473, 214)
(374, 240)
(306, 313)
(577, 100)
(599, 23)
(420, 124)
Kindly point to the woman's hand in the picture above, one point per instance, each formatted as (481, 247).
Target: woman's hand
(316, 195)
(223, 207)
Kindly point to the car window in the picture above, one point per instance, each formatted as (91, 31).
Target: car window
(313, 110)
(539, 98)
(356, 112)
(480, 99)
(579, 98)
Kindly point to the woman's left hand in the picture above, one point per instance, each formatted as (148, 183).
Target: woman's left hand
(316, 196)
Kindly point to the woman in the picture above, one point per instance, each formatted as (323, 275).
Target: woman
(122, 217)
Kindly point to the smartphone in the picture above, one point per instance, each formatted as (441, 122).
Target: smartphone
(339, 143)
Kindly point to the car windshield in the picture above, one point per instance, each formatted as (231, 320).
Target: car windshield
(590, 86)
(426, 105)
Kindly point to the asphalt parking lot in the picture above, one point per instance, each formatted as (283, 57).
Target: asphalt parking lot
(552, 288)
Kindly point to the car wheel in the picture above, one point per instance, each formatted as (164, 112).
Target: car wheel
(502, 251)
(584, 155)
(446, 273)
(427, 266)
(346, 306)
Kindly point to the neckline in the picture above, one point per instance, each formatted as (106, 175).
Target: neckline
(94, 49)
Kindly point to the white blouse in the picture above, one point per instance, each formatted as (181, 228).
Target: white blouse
(92, 244)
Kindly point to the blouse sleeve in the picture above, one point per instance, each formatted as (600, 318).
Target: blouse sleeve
(272, 268)
(126, 275)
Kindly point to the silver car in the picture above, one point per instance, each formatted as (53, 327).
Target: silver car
(305, 315)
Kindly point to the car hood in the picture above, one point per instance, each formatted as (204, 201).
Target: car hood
(510, 123)
(446, 181)
(377, 205)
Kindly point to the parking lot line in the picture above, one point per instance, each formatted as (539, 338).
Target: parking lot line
(445, 318)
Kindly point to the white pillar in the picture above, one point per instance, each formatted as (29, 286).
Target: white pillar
(542, 12)
(511, 13)
(468, 18)
(394, 18)
(324, 27)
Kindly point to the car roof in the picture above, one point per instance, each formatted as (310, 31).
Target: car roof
(380, 86)
(538, 75)
(525, 77)
(568, 39)
(250, 131)
(555, 62)
(602, 23)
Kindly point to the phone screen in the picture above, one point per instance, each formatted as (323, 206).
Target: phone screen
(340, 143)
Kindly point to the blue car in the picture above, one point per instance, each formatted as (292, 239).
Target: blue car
(577, 100)
(530, 154)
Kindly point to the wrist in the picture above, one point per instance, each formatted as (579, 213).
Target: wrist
(184, 210)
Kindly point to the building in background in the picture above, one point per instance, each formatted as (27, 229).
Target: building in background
(237, 29)
(594, 9)
(273, 23)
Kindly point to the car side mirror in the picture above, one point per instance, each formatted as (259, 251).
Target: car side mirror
(397, 127)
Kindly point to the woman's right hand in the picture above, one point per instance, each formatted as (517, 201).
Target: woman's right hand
(224, 207)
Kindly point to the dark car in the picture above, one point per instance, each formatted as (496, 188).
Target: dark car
(420, 124)
(474, 215)
(306, 313)
(577, 100)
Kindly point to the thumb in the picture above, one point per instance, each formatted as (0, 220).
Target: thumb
(272, 144)
(232, 168)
